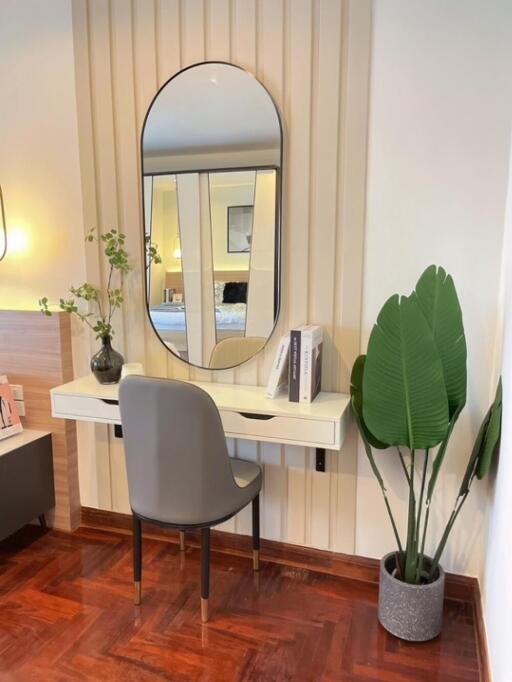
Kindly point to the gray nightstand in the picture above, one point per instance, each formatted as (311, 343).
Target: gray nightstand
(26, 480)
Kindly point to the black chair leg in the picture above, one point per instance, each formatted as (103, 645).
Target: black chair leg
(42, 522)
(256, 533)
(137, 558)
(205, 573)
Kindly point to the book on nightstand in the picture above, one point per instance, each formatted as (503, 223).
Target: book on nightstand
(10, 422)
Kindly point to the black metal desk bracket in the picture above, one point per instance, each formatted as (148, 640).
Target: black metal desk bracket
(320, 459)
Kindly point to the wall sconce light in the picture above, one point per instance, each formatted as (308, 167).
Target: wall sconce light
(18, 240)
(3, 228)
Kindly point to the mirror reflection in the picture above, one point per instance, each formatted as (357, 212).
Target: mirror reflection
(211, 162)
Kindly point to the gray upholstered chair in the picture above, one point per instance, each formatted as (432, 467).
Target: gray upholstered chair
(179, 472)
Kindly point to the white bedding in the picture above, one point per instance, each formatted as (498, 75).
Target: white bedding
(171, 316)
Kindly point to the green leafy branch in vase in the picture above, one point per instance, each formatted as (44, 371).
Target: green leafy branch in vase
(152, 254)
(90, 304)
(407, 394)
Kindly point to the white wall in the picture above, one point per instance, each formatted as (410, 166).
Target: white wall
(222, 196)
(39, 163)
(497, 592)
(440, 116)
(164, 233)
(260, 300)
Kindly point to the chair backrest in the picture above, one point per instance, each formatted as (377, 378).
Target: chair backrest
(176, 457)
(234, 350)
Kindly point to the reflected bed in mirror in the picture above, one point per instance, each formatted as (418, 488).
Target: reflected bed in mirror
(211, 156)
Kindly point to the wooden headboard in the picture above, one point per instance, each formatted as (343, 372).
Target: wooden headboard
(231, 275)
(174, 280)
(35, 351)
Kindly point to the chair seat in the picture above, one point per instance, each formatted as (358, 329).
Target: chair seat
(244, 472)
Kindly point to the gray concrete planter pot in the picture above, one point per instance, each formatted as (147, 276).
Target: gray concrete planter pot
(412, 612)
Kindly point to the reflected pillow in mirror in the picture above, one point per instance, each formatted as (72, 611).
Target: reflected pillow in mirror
(235, 292)
(219, 292)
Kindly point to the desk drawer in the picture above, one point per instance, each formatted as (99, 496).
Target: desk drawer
(85, 408)
(293, 430)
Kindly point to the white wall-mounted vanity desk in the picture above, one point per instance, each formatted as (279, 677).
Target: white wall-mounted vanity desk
(245, 412)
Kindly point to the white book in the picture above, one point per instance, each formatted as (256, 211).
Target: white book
(278, 378)
(310, 362)
(305, 350)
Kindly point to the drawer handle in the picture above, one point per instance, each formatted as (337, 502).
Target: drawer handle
(251, 415)
(109, 402)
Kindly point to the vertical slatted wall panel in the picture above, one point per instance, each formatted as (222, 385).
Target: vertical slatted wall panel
(355, 65)
(301, 45)
(94, 465)
(324, 175)
(313, 57)
(219, 30)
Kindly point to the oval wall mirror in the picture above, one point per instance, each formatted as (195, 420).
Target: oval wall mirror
(211, 161)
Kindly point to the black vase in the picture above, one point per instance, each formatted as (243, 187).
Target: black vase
(106, 364)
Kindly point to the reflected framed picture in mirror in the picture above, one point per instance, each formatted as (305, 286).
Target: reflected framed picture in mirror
(240, 228)
(212, 149)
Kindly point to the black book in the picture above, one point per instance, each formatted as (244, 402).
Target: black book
(294, 376)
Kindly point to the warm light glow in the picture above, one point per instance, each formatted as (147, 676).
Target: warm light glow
(17, 240)
(176, 253)
(3, 227)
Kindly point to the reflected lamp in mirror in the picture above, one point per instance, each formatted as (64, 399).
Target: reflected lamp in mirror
(176, 254)
(212, 163)
(3, 228)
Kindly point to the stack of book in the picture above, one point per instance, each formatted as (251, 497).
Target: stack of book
(278, 380)
(10, 422)
(298, 365)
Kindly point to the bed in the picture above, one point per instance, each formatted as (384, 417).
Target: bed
(169, 319)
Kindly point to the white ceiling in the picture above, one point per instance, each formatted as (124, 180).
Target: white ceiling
(211, 107)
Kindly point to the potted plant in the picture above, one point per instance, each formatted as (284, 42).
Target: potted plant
(96, 307)
(407, 393)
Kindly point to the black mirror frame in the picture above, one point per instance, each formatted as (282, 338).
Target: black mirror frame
(278, 219)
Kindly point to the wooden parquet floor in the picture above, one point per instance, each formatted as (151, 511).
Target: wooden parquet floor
(66, 613)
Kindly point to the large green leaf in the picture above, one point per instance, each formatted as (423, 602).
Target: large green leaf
(486, 444)
(356, 392)
(484, 449)
(475, 454)
(492, 436)
(380, 480)
(439, 458)
(439, 303)
(405, 401)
